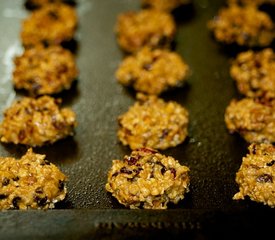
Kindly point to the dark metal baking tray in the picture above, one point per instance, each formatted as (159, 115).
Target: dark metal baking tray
(212, 154)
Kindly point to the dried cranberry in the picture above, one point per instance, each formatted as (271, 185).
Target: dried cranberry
(173, 171)
(132, 160)
(163, 170)
(21, 135)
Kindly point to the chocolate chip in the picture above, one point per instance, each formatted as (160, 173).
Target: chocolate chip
(163, 41)
(270, 163)
(147, 66)
(173, 171)
(2, 196)
(5, 181)
(15, 179)
(61, 185)
(41, 202)
(39, 190)
(254, 149)
(15, 202)
(125, 170)
(53, 15)
(115, 174)
(265, 178)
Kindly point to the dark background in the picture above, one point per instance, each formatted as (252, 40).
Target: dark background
(212, 154)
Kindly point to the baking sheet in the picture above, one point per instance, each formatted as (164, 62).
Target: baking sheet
(210, 152)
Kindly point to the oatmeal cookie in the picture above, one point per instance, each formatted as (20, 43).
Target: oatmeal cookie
(148, 179)
(152, 122)
(256, 176)
(43, 71)
(31, 182)
(36, 122)
(245, 26)
(50, 25)
(253, 119)
(254, 73)
(164, 5)
(153, 71)
(150, 28)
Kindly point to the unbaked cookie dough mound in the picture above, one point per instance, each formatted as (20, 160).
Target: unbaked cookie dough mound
(254, 73)
(153, 71)
(253, 119)
(256, 176)
(152, 122)
(36, 122)
(51, 25)
(152, 28)
(245, 26)
(148, 179)
(42, 71)
(164, 5)
(31, 182)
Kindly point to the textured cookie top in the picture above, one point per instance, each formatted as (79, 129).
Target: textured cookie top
(30, 182)
(254, 73)
(253, 119)
(50, 25)
(144, 28)
(246, 26)
(36, 122)
(256, 176)
(43, 71)
(148, 179)
(164, 5)
(152, 122)
(152, 71)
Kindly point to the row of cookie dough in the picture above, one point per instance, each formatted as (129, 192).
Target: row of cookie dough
(45, 67)
(146, 178)
(254, 116)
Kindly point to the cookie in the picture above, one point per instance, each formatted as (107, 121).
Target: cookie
(152, 28)
(31, 182)
(147, 179)
(42, 71)
(256, 176)
(36, 122)
(253, 119)
(245, 26)
(153, 71)
(50, 25)
(254, 73)
(164, 5)
(154, 123)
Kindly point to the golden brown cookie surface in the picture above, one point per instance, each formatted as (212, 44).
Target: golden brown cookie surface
(254, 73)
(153, 71)
(148, 179)
(36, 122)
(253, 119)
(50, 25)
(152, 122)
(256, 176)
(245, 26)
(150, 28)
(43, 71)
(31, 182)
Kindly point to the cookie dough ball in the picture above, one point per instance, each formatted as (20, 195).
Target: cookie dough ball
(42, 71)
(245, 26)
(254, 73)
(50, 25)
(153, 71)
(164, 5)
(31, 182)
(148, 179)
(256, 176)
(152, 122)
(36, 122)
(253, 119)
(150, 28)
